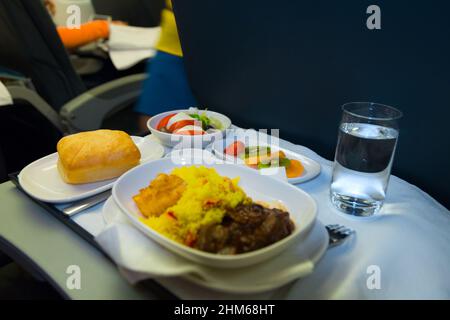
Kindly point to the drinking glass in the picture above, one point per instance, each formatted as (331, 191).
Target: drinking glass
(367, 139)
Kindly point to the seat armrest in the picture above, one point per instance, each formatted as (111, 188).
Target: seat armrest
(22, 93)
(87, 111)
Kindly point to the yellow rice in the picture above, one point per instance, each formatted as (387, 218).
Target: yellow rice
(205, 201)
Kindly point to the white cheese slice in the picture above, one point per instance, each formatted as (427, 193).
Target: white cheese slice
(189, 127)
(178, 117)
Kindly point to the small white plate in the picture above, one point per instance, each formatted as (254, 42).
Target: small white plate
(41, 179)
(300, 205)
(312, 168)
(154, 261)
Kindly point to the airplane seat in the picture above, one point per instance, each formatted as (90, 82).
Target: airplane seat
(37, 72)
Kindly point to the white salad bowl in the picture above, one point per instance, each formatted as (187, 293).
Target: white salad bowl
(187, 141)
(300, 205)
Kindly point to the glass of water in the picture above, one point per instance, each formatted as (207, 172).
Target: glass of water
(365, 150)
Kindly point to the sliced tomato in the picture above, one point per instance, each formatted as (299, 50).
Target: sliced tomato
(235, 149)
(164, 121)
(180, 124)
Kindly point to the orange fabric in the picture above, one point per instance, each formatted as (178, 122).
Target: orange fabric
(88, 32)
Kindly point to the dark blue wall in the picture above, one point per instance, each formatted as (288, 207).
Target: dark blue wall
(292, 64)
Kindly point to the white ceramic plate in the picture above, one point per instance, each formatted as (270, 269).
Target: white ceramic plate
(197, 141)
(295, 262)
(41, 178)
(301, 206)
(312, 168)
(279, 271)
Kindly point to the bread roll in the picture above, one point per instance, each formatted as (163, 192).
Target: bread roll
(93, 156)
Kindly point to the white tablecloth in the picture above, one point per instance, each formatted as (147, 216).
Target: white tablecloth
(407, 245)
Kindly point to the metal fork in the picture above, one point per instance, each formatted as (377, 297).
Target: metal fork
(338, 234)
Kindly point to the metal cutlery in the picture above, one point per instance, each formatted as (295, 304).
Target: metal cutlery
(87, 203)
(338, 234)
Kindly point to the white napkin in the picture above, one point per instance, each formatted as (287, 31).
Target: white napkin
(5, 97)
(132, 38)
(124, 59)
(139, 258)
(130, 45)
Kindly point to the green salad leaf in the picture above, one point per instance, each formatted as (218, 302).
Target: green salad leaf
(282, 162)
(216, 123)
(207, 122)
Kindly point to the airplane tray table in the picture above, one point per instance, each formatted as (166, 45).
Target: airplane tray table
(411, 219)
(88, 235)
